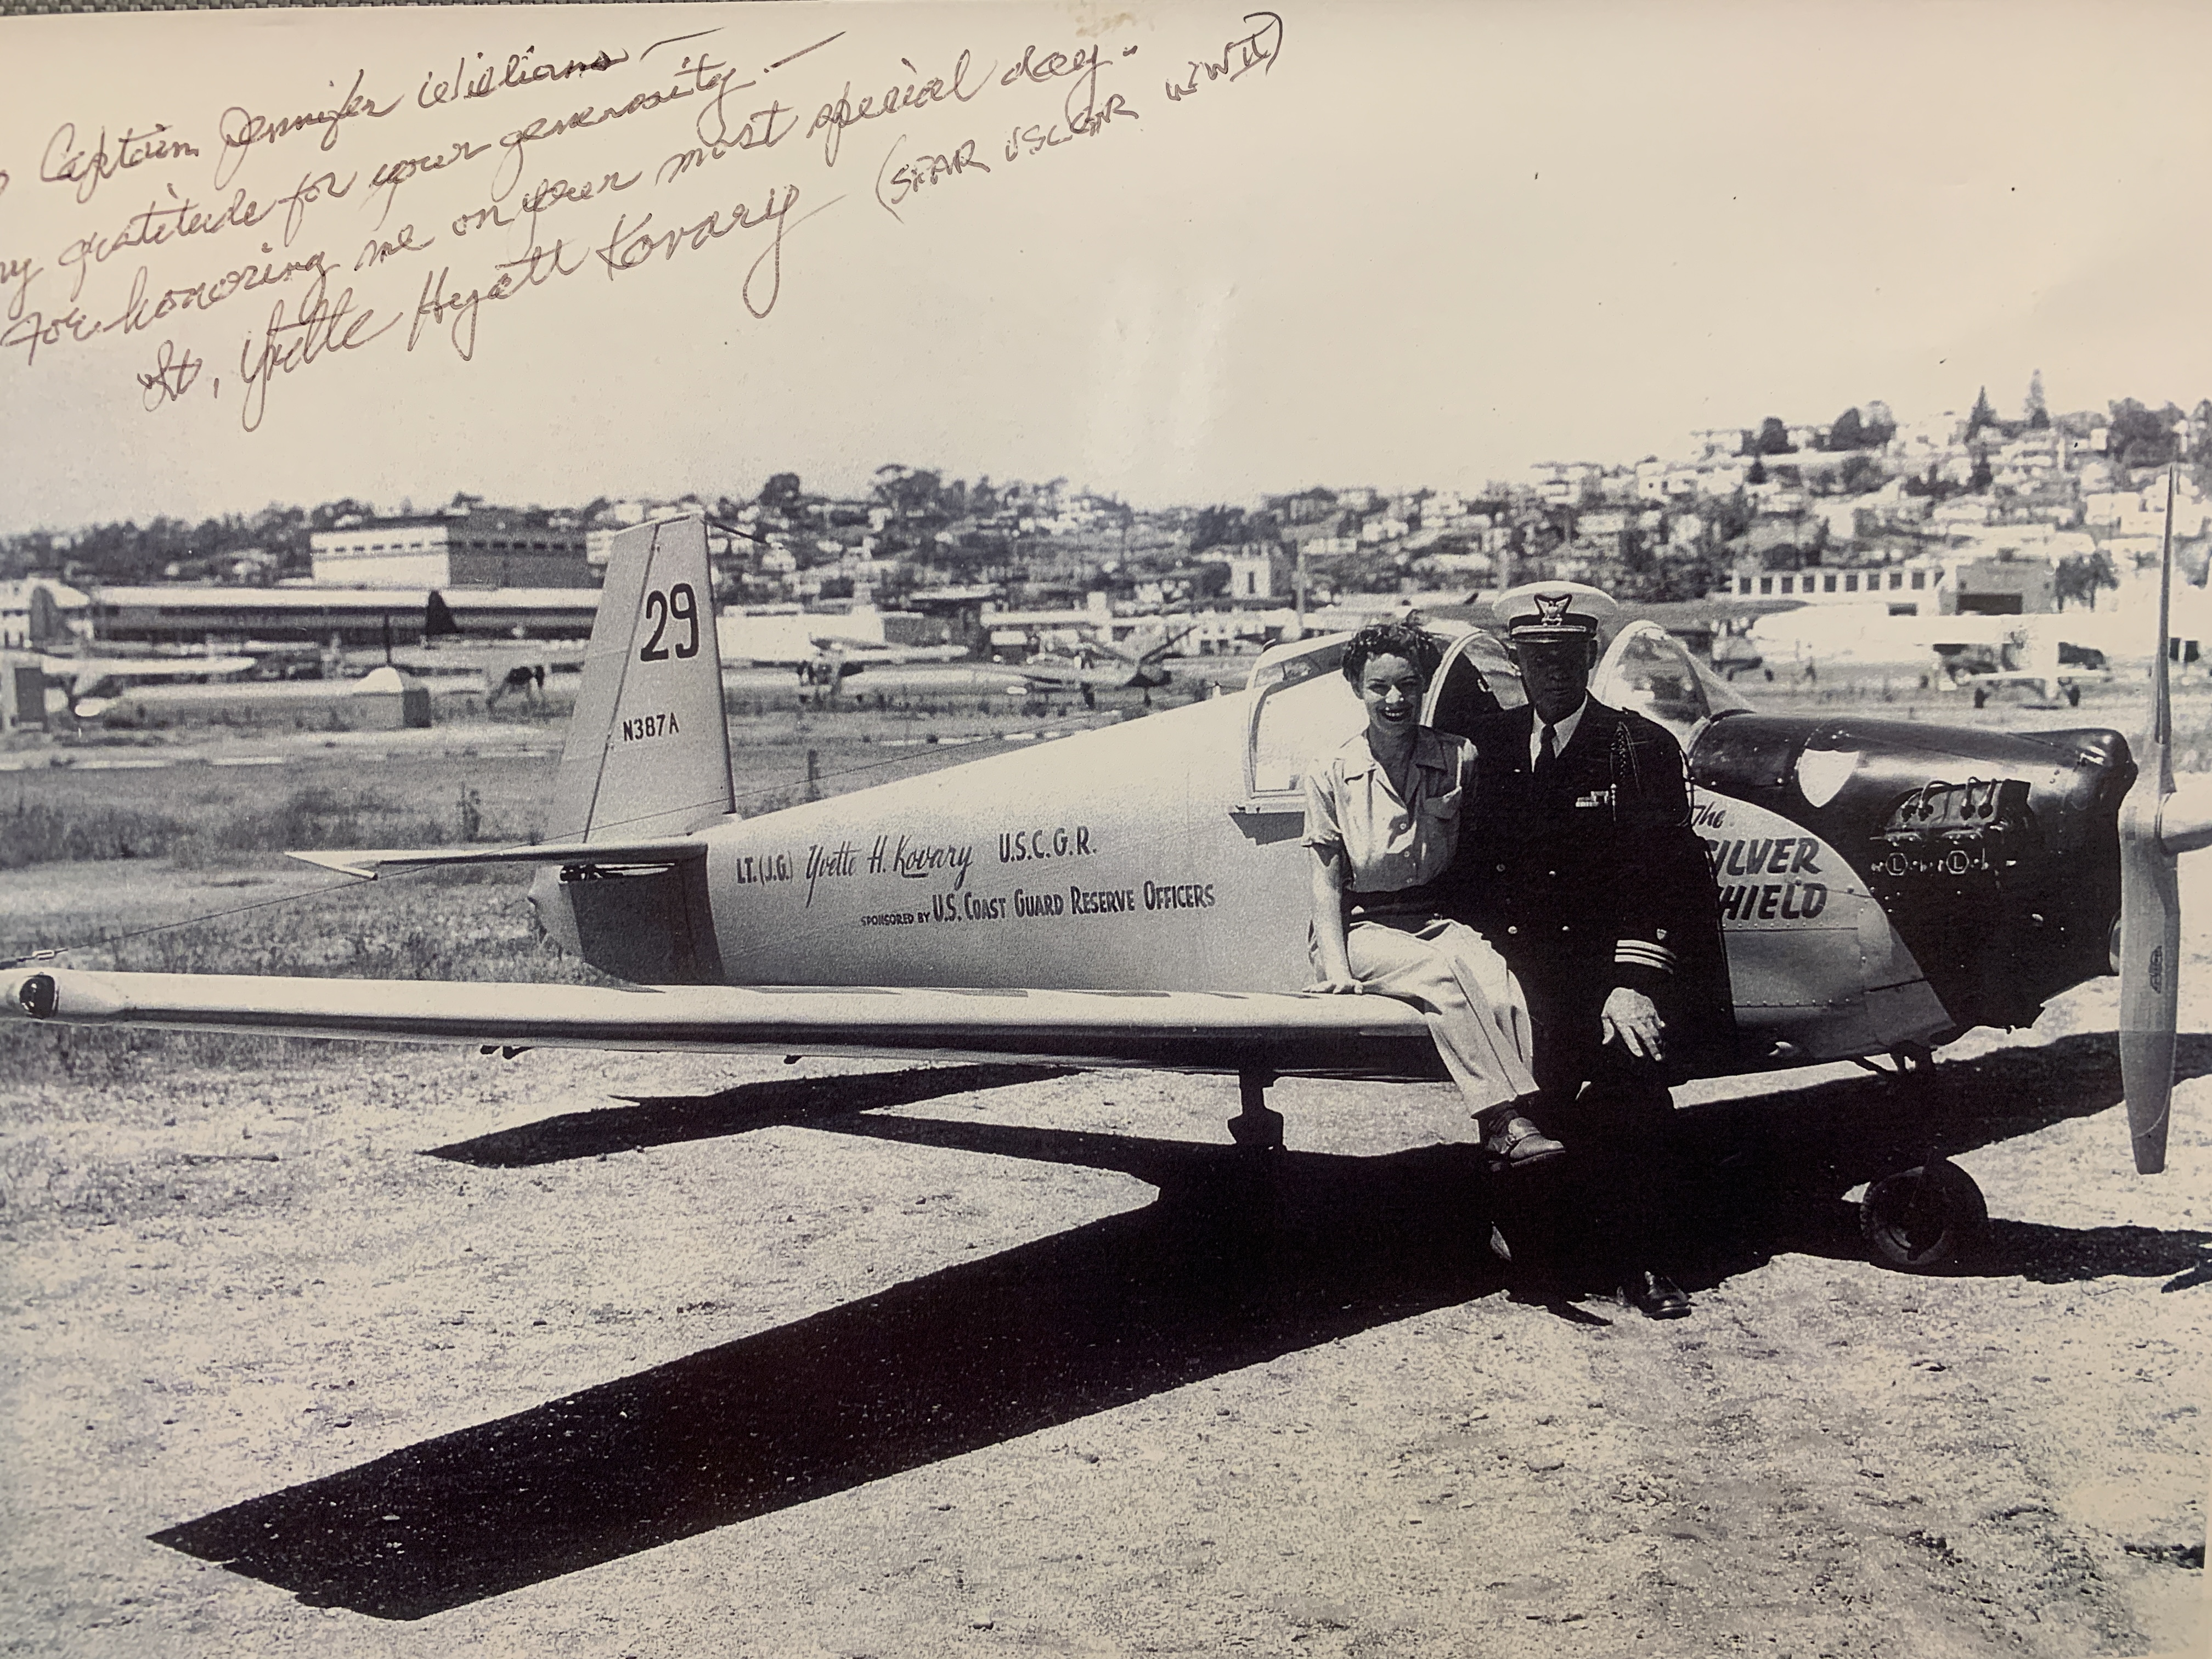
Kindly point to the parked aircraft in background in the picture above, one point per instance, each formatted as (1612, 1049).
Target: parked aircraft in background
(89, 687)
(1136, 895)
(835, 659)
(1100, 665)
(517, 667)
(2028, 654)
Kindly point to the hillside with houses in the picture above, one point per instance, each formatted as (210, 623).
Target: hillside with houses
(1866, 503)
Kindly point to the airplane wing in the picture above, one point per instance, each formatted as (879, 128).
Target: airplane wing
(91, 670)
(1175, 1030)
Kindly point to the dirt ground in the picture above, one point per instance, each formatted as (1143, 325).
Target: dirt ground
(412, 1352)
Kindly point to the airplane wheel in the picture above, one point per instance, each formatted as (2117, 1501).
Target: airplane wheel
(1257, 1132)
(1981, 697)
(1924, 1218)
(2072, 697)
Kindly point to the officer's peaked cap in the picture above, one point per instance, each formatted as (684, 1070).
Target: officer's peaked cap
(1553, 610)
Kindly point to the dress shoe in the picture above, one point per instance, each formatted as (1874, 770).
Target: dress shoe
(1510, 1141)
(1656, 1297)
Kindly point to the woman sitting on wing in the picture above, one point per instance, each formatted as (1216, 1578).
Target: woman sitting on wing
(1382, 817)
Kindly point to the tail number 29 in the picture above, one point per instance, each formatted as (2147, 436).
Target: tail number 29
(681, 603)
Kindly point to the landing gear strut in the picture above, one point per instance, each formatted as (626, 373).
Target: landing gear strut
(1255, 1127)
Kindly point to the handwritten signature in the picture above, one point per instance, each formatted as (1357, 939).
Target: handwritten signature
(627, 247)
(318, 327)
(171, 377)
(89, 170)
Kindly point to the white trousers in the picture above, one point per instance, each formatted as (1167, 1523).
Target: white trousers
(1471, 1002)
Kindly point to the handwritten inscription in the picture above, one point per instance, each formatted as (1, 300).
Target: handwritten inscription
(66, 162)
(318, 326)
(838, 113)
(918, 174)
(172, 376)
(516, 72)
(435, 190)
(241, 129)
(1254, 49)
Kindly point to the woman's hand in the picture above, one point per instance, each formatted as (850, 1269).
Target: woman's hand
(1345, 987)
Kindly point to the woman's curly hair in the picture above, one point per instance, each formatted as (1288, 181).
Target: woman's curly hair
(1393, 640)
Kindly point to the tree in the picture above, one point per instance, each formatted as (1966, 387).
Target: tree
(1983, 415)
(1877, 424)
(1980, 480)
(2079, 577)
(2038, 413)
(1860, 474)
(1758, 473)
(2142, 436)
(1847, 431)
(780, 491)
(909, 492)
(1217, 526)
(1773, 439)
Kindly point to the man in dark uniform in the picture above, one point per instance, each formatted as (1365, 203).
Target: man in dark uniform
(1579, 865)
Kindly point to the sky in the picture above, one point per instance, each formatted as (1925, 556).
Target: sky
(1392, 245)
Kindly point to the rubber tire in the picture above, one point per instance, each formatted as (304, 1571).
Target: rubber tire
(1922, 1219)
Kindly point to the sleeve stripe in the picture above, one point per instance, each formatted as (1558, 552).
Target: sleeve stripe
(1637, 953)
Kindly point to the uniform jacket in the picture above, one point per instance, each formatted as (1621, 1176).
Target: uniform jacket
(1593, 877)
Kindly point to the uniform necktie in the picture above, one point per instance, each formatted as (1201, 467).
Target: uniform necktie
(1547, 751)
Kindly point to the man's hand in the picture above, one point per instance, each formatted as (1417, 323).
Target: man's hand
(1632, 1019)
(1346, 986)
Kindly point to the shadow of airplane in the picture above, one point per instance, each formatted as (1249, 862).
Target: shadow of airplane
(1240, 1259)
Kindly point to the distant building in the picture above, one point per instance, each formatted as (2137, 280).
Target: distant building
(2002, 586)
(1922, 586)
(1255, 570)
(483, 549)
(1915, 587)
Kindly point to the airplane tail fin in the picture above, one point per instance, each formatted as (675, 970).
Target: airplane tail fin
(438, 622)
(648, 751)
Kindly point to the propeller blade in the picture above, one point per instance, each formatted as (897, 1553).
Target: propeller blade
(2150, 910)
(2151, 959)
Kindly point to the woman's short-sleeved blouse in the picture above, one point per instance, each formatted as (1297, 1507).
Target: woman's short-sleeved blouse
(1390, 843)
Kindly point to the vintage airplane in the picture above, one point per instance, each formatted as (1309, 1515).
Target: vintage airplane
(822, 658)
(1137, 895)
(506, 665)
(1100, 665)
(2023, 654)
(96, 684)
